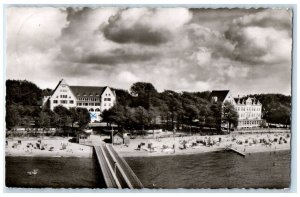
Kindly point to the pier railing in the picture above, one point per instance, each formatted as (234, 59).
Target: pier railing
(116, 172)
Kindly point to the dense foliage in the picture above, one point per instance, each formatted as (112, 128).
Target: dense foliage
(276, 108)
(24, 109)
(143, 107)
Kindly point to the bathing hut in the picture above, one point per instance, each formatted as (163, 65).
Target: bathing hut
(117, 139)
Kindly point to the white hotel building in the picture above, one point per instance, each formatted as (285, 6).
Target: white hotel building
(249, 109)
(95, 99)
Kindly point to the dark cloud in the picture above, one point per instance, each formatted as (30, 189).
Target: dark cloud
(119, 56)
(138, 32)
(111, 57)
(218, 19)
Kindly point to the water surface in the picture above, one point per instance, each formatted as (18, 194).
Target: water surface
(54, 172)
(214, 170)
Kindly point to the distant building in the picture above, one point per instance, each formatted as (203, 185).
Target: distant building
(117, 138)
(250, 112)
(94, 98)
(249, 109)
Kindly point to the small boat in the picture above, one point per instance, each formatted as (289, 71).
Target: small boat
(33, 172)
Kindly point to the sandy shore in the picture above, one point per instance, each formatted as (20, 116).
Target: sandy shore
(61, 147)
(245, 143)
(52, 147)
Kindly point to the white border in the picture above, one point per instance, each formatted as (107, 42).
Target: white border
(214, 3)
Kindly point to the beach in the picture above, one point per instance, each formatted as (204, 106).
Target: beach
(155, 146)
(244, 143)
(46, 147)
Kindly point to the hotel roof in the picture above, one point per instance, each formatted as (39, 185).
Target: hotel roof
(220, 94)
(91, 91)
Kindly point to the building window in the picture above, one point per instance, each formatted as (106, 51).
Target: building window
(107, 99)
(91, 104)
(63, 96)
(97, 104)
(55, 101)
(91, 109)
(71, 101)
(63, 102)
(86, 104)
(79, 104)
(97, 109)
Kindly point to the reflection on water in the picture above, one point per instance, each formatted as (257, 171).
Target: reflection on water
(214, 170)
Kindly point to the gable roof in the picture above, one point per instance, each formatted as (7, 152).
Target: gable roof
(91, 91)
(220, 94)
(56, 87)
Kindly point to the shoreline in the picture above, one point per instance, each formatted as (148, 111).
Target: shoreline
(244, 143)
(130, 154)
(169, 146)
(47, 147)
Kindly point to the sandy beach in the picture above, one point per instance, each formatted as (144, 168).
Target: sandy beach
(61, 147)
(245, 143)
(46, 147)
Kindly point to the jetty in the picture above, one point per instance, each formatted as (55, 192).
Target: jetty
(115, 170)
(236, 151)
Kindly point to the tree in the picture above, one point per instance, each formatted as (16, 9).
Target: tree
(83, 117)
(22, 92)
(43, 121)
(106, 116)
(73, 116)
(214, 115)
(141, 115)
(229, 114)
(142, 88)
(143, 94)
(174, 103)
(12, 117)
(63, 119)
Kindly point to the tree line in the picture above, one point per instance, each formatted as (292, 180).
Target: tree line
(142, 107)
(24, 109)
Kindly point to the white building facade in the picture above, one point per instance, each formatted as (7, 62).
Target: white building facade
(95, 99)
(249, 109)
(250, 113)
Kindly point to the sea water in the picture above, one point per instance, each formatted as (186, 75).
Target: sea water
(214, 170)
(207, 170)
(53, 172)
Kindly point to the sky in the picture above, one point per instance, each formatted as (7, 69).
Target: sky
(243, 50)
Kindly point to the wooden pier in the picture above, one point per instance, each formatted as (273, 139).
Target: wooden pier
(116, 172)
(109, 176)
(238, 152)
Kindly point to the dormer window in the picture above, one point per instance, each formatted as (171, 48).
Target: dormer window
(91, 94)
(84, 94)
(78, 94)
(215, 99)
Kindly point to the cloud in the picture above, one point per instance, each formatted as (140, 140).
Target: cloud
(279, 19)
(259, 38)
(181, 49)
(145, 26)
